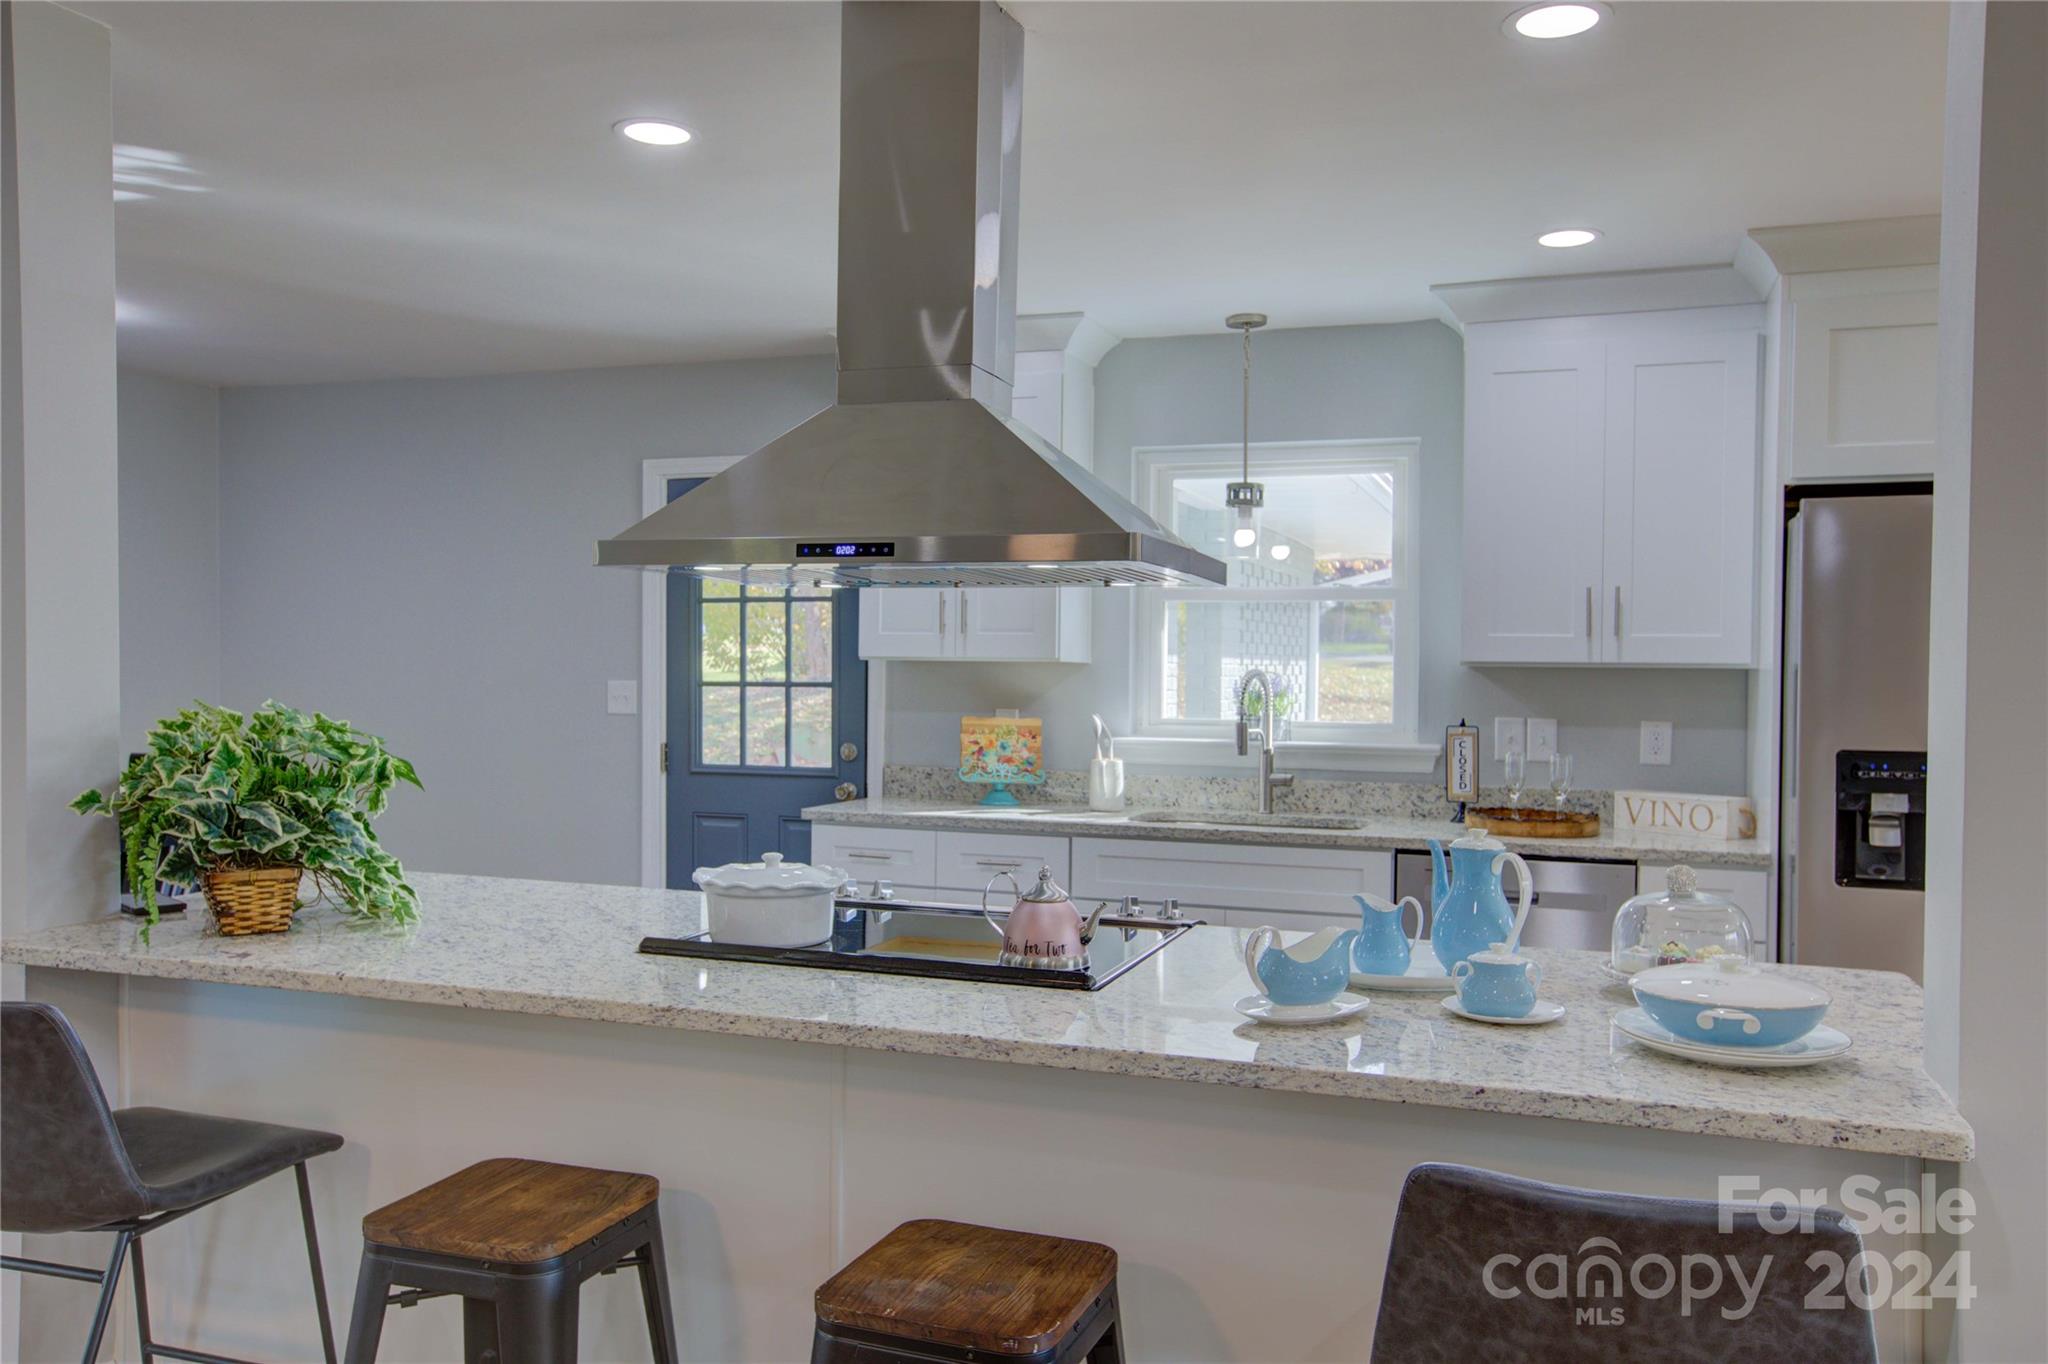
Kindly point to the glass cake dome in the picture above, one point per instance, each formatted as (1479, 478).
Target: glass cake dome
(1680, 923)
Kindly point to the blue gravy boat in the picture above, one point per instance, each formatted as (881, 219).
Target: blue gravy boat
(1312, 971)
(1470, 910)
(1383, 947)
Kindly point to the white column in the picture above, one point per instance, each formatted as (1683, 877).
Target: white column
(1987, 924)
(60, 659)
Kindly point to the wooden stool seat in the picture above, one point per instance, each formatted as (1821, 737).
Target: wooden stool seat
(511, 1211)
(515, 1240)
(974, 1288)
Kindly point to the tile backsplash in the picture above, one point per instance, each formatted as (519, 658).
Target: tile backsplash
(1395, 800)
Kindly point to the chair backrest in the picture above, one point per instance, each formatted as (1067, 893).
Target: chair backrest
(62, 1164)
(1487, 1266)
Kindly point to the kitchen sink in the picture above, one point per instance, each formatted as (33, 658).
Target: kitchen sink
(1277, 820)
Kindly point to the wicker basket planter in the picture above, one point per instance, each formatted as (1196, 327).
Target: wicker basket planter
(252, 899)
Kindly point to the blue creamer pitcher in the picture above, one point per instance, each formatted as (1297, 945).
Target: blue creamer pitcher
(1469, 910)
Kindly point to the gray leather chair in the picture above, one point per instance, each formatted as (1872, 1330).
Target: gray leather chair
(69, 1163)
(1446, 1298)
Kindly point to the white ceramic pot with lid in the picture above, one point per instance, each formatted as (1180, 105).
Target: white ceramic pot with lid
(770, 903)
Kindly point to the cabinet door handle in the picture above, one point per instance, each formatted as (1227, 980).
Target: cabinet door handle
(853, 856)
(942, 615)
(1617, 612)
(1589, 613)
(998, 864)
(963, 615)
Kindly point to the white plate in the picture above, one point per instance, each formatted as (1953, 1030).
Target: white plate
(1259, 1009)
(1822, 1044)
(1544, 1012)
(1425, 972)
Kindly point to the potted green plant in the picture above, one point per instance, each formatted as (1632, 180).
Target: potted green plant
(245, 805)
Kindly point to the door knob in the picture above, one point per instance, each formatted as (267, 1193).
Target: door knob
(846, 790)
(848, 751)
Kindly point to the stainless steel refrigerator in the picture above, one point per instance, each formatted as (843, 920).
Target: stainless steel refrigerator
(1853, 796)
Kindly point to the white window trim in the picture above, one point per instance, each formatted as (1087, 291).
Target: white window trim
(654, 477)
(1389, 748)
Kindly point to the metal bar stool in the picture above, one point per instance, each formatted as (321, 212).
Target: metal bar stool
(951, 1291)
(515, 1240)
(69, 1163)
(1464, 1239)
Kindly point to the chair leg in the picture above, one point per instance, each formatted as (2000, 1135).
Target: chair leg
(366, 1319)
(144, 1344)
(537, 1320)
(108, 1283)
(661, 1321)
(312, 1259)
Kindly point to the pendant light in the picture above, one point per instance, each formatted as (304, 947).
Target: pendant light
(1245, 498)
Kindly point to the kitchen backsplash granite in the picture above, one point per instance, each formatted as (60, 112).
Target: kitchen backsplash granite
(1398, 800)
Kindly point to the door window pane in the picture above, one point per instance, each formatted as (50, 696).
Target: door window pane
(810, 641)
(719, 647)
(718, 734)
(766, 726)
(767, 641)
(719, 587)
(810, 727)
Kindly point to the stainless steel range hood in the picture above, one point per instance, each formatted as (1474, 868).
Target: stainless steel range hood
(917, 476)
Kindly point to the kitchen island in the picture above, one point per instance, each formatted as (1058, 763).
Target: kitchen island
(1247, 1174)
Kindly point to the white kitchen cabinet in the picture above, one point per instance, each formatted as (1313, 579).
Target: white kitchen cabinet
(1212, 880)
(1018, 624)
(907, 857)
(1610, 493)
(1681, 470)
(998, 624)
(968, 861)
(1748, 890)
(1862, 383)
(1534, 474)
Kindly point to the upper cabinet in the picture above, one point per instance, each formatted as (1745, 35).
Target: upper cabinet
(1054, 395)
(1611, 490)
(1862, 376)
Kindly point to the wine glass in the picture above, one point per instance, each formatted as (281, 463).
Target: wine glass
(1560, 778)
(1514, 775)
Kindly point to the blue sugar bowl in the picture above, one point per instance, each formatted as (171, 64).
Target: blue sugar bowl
(1497, 983)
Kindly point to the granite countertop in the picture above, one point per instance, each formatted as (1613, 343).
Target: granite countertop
(552, 948)
(1373, 831)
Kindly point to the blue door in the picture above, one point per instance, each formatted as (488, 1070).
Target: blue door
(767, 713)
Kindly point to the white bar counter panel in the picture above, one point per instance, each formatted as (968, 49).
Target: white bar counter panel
(794, 1116)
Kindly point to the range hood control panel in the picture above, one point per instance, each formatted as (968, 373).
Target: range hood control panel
(865, 549)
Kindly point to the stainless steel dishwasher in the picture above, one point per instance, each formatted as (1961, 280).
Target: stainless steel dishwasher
(1571, 903)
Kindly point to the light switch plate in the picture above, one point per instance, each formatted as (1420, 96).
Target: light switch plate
(622, 698)
(1507, 735)
(1542, 740)
(1656, 744)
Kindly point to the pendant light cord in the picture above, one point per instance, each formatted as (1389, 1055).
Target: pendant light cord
(1247, 404)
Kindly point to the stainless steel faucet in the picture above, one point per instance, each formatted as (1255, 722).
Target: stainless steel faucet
(1269, 780)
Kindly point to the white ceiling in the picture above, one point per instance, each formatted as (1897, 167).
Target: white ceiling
(367, 190)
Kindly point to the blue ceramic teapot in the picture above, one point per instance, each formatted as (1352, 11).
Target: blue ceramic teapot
(1470, 911)
(1312, 971)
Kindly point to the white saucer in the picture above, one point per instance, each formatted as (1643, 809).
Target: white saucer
(1259, 1009)
(1822, 1044)
(1424, 972)
(1544, 1012)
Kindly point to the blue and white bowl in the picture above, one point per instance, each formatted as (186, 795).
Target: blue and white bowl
(1729, 1003)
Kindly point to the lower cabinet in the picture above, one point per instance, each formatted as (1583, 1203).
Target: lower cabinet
(1749, 890)
(1228, 884)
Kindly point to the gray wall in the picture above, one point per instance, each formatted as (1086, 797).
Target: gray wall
(1331, 384)
(416, 557)
(170, 549)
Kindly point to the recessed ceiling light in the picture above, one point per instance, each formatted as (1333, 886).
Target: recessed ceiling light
(1569, 236)
(655, 132)
(1556, 20)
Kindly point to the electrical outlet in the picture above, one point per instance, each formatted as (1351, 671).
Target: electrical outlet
(622, 698)
(1507, 736)
(1656, 744)
(1542, 740)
